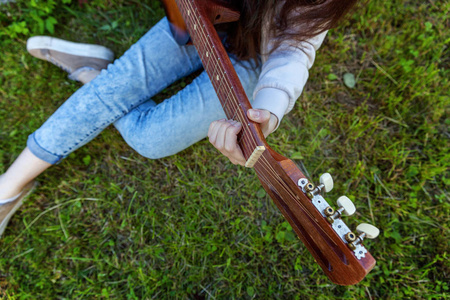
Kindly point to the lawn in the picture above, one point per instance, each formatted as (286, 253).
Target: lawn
(107, 223)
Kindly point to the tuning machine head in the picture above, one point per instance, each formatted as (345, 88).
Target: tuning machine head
(326, 182)
(365, 231)
(369, 231)
(346, 207)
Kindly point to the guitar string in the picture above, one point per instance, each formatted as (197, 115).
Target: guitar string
(220, 89)
(266, 180)
(266, 164)
(271, 172)
(238, 110)
(278, 179)
(331, 237)
(205, 42)
(295, 201)
(202, 35)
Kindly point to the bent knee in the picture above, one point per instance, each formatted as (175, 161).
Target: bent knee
(151, 148)
(152, 154)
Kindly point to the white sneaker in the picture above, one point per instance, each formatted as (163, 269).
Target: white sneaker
(83, 62)
(8, 209)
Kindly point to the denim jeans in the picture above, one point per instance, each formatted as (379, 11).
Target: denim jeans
(122, 94)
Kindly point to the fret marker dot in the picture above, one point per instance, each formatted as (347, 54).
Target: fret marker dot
(217, 77)
(195, 26)
(189, 12)
(207, 54)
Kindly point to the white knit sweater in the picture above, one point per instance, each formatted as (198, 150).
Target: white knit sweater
(284, 74)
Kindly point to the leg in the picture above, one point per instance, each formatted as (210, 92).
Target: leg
(16, 184)
(160, 130)
(143, 71)
(24, 169)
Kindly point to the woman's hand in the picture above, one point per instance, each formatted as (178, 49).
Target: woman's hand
(223, 133)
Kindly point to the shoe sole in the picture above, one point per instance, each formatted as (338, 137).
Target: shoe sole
(78, 49)
(29, 188)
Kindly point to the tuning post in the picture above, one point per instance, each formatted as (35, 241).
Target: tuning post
(310, 188)
(365, 231)
(346, 207)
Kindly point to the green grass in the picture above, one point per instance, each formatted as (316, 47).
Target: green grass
(108, 223)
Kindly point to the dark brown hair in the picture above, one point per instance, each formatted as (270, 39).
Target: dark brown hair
(308, 18)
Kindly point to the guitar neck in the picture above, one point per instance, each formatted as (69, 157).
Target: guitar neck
(220, 69)
(279, 176)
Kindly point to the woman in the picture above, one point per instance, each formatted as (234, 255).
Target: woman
(272, 47)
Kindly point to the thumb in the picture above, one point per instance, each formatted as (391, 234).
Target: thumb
(258, 115)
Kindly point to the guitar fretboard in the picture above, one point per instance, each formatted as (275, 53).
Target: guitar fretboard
(279, 176)
(217, 64)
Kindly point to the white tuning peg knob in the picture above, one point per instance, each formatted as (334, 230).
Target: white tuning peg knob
(368, 230)
(346, 206)
(326, 182)
(365, 231)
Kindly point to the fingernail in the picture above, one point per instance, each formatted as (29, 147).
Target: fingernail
(254, 113)
(236, 124)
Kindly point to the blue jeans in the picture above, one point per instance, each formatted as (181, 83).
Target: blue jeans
(122, 94)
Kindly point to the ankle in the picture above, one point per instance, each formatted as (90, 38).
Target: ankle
(8, 188)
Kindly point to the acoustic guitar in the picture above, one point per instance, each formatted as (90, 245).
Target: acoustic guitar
(338, 251)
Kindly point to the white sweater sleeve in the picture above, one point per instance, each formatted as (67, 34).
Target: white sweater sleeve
(284, 75)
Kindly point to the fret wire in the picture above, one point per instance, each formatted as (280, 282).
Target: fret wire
(217, 72)
(213, 53)
(228, 99)
(244, 135)
(212, 50)
(220, 87)
(240, 139)
(263, 162)
(238, 110)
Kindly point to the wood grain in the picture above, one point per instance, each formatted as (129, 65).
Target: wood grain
(278, 175)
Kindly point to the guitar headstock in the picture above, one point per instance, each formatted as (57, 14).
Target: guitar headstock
(334, 216)
(339, 251)
(319, 227)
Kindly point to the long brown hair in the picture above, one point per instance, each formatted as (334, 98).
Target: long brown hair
(308, 17)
